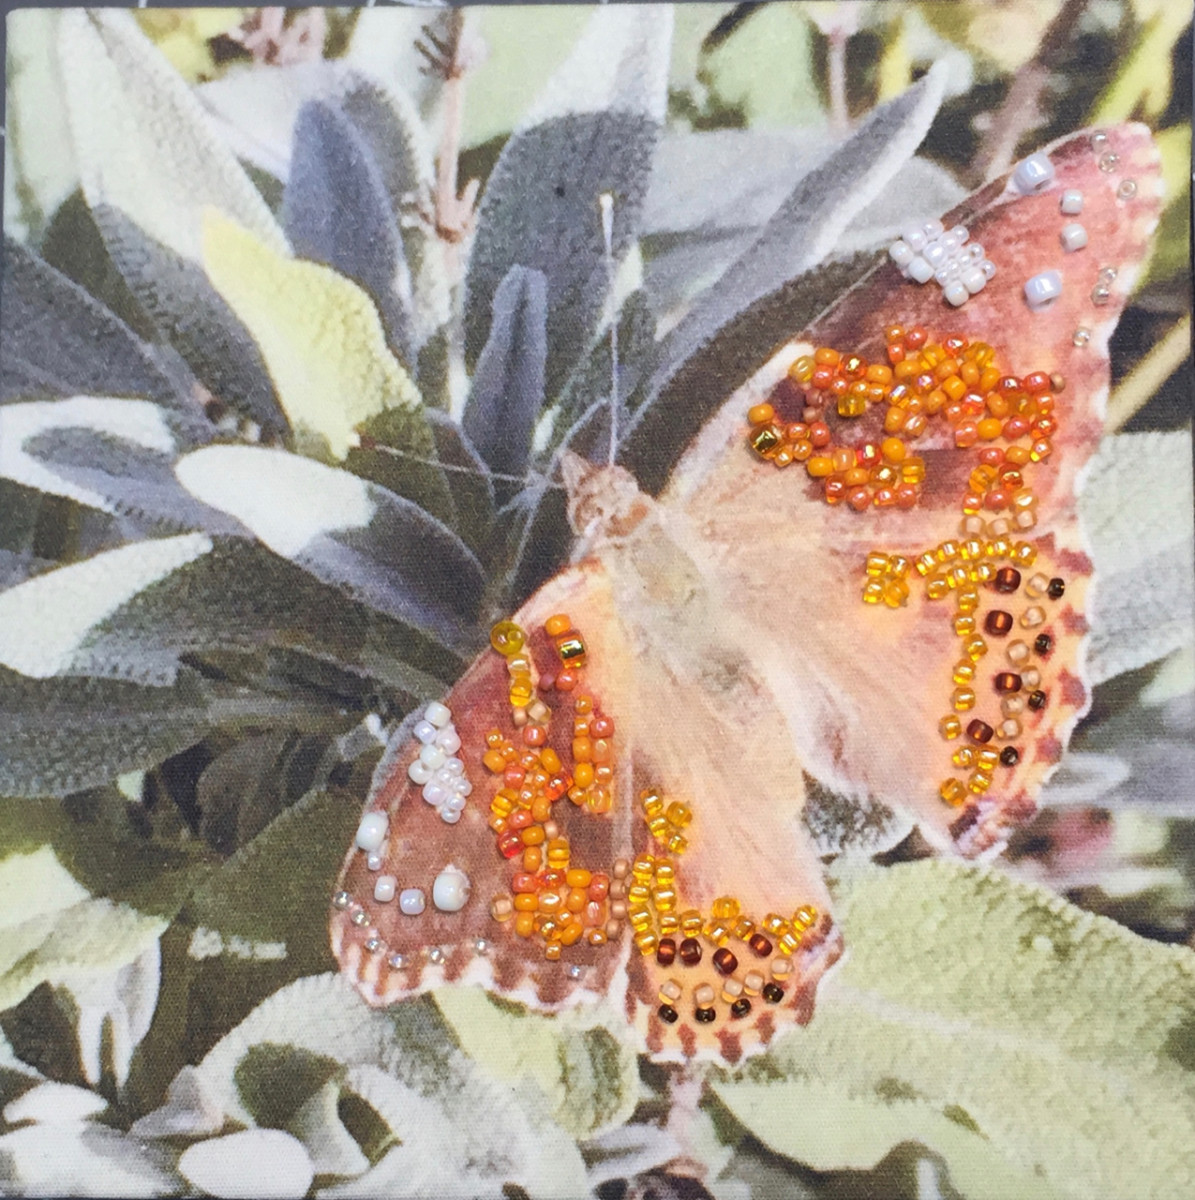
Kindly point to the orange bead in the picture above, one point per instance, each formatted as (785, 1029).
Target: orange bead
(533, 859)
(557, 624)
(525, 924)
(893, 449)
(989, 428)
(878, 373)
(494, 761)
(577, 899)
(819, 466)
(826, 356)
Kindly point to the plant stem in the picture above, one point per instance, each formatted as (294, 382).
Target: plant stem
(1148, 375)
(840, 117)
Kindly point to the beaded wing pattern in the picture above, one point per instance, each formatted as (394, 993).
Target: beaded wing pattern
(867, 568)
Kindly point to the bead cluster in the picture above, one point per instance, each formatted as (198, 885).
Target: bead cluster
(929, 251)
(441, 773)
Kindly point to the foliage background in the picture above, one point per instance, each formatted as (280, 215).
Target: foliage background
(169, 1018)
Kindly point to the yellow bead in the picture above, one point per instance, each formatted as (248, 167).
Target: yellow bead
(725, 908)
(937, 588)
(852, 404)
(876, 564)
(744, 927)
(873, 592)
(953, 791)
(639, 919)
(967, 600)
(665, 874)
(802, 370)
(975, 648)
(718, 932)
(669, 924)
(644, 867)
(788, 943)
(507, 638)
(678, 843)
(690, 922)
(659, 828)
(804, 916)
(557, 624)
(896, 593)
(964, 626)
(950, 727)
(898, 566)
(1025, 554)
(963, 699)
(652, 802)
(679, 814)
(552, 951)
(521, 691)
(664, 899)
(638, 894)
(964, 757)
(979, 782)
(985, 572)
(774, 923)
(972, 548)
(947, 551)
(964, 672)
(912, 470)
(987, 760)
(647, 942)
(925, 563)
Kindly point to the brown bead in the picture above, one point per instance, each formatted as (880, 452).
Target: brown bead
(705, 1016)
(725, 962)
(690, 952)
(1010, 756)
(980, 731)
(1007, 681)
(760, 946)
(1056, 588)
(1007, 580)
(741, 1007)
(666, 952)
(773, 993)
(1037, 700)
(668, 1014)
(1043, 643)
(998, 622)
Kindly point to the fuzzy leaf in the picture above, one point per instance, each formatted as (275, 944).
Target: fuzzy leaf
(264, 1162)
(1136, 506)
(592, 132)
(142, 140)
(56, 340)
(1005, 1029)
(335, 211)
(52, 931)
(508, 383)
(805, 228)
(321, 338)
(378, 547)
(589, 1078)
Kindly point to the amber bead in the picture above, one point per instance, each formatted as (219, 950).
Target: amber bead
(773, 993)
(952, 791)
(980, 731)
(1010, 756)
(1007, 580)
(760, 946)
(1043, 643)
(997, 622)
(950, 727)
(690, 951)
(667, 1014)
(1037, 700)
(725, 962)
(1055, 589)
(705, 1016)
(1007, 681)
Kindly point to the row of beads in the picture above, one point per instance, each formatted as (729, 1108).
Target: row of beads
(441, 773)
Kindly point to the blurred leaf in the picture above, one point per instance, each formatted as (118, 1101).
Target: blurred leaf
(589, 1078)
(260, 1162)
(56, 340)
(507, 391)
(1141, 87)
(335, 211)
(807, 225)
(591, 132)
(143, 141)
(321, 338)
(51, 931)
(1136, 507)
(184, 37)
(377, 547)
(1171, 253)
(999, 1026)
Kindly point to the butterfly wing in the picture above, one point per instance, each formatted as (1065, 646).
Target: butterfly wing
(869, 684)
(707, 744)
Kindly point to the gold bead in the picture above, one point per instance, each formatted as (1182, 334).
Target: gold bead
(950, 727)
(963, 699)
(953, 792)
(725, 908)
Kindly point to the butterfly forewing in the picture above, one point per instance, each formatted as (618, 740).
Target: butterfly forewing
(869, 685)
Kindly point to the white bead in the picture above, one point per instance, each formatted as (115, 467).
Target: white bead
(936, 255)
(1010, 728)
(988, 268)
(455, 765)
(384, 888)
(1033, 173)
(956, 293)
(435, 793)
(451, 890)
(1031, 678)
(1042, 288)
(433, 756)
(1073, 237)
(900, 253)
(448, 740)
(374, 861)
(419, 772)
(914, 238)
(450, 816)
(463, 787)
(411, 901)
(425, 732)
(974, 280)
(933, 229)
(1071, 203)
(961, 234)
(446, 777)
(920, 271)
(438, 714)
(371, 833)
(975, 252)
(946, 274)
(454, 803)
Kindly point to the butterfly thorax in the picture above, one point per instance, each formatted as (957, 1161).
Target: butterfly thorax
(604, 502)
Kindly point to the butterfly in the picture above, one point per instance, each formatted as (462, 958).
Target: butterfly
(879, 589)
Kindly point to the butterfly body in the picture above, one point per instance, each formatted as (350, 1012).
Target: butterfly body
(727, 641)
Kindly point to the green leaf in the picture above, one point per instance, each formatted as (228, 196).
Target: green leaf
(1040, 1050)
(589, 1078)
(52, 931)
(320, 335)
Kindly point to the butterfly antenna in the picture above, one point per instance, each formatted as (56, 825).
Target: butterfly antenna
(521, 480)
(606, 200)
